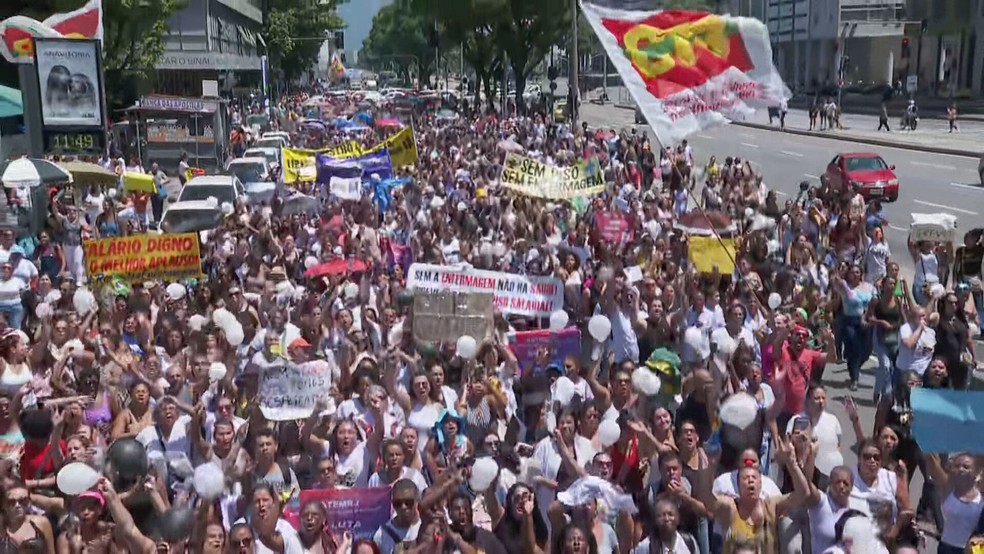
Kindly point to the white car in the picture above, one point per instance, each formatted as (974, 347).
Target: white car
(196, 216)
(255, 175)
(282, 135)
(224, 188)
(272, 155)
(532, 93)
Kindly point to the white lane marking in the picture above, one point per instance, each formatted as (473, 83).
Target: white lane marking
(746, 135)
(897, 228)
(810, 176)
(943, 207)
(938, 166)
(788, 153)
(750, 145)
(965, 186)
(704, 136)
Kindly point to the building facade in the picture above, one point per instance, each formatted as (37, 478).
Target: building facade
(212, 40)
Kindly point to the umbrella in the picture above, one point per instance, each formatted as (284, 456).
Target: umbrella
(363, 118)
(301, 204)
(337, 266)
(31, 172)
(510, 146)
(388, 122)
(695, 223)
(85, 173)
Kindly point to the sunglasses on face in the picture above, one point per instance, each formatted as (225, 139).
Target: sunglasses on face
(404, 502)
(873, 456)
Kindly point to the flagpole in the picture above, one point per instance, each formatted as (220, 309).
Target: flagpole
(572, 85)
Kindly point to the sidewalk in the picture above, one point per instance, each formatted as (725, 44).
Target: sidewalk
(930, 107)
(931, 136)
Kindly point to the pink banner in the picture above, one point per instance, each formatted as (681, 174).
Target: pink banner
(360, 511)
(613, 226)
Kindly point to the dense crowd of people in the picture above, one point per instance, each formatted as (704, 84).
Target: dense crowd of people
(731, 449)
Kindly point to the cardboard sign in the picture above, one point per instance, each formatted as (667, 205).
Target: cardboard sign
(529, 177)
(446, 316)
(707, 252)
(933, 227)
(140, 258)
(359, 511)
(514, 294)
(346, 189)
(562, 343)
(291, 392)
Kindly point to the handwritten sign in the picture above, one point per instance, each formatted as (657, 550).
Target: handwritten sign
(613, 226)
(530, 177)
(446, 316)
(933, 227)
(290, 392)
(140, 258)
(561, 343)
(513, 294)
(359, 511)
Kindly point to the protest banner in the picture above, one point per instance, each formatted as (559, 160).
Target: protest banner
(377, 162)
(945, 420)
(292, 391)
(402, 148)
(613, 226)
(529, 177)
(513, 294)
(359, 511)
(364, 166)
(445, 316)
(139, 258)
(933, 227)
(299, 165)
(346, 189)
(349, 149)
(707, 252)
(561, 343)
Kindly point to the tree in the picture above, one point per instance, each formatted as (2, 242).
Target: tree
(528, 31)
(294, 31)
(400, 37)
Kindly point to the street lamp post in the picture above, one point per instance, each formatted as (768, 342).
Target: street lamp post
(572, 85)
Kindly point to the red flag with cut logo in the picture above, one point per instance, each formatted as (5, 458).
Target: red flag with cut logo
(16, 32)
(689, 70)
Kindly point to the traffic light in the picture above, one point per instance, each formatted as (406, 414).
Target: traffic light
(923, 26)
(905, 47)
(552, 73)
(339, 40)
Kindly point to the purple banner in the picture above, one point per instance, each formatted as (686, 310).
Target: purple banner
(562, 343)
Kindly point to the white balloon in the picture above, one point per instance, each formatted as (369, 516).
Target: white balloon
(483, 473)
(227, 208)
(559, 320)
(175, 291)
(197, 322)
(774, 301)
(600, 327)
(725, 348)
(209, 481)
(222, 317)
(739, 410)
(76, 478)
(84, 301)
(43, 310)
(467, 347)
(565, 391)
(609, 432)
(310, 262)
(217, 371)
(646, 382)
(234, 334)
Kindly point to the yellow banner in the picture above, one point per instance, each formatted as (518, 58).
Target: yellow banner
(140, 258)
(299, 165)
(707, 252)
(139, 182)
(539, 180)
(350, 149)
(402, 148)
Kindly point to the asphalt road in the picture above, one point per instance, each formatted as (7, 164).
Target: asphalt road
(930, 183)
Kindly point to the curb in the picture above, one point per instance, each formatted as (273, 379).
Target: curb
(871, 112)
(863, 140)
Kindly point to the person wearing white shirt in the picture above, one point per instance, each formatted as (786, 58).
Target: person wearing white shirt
(917, 342)
(402, 530)
(94, 203)
(666, 518)
(167, 443)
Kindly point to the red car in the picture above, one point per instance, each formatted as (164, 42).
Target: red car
(875, 178)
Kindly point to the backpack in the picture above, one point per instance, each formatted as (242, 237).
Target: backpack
(689, 540)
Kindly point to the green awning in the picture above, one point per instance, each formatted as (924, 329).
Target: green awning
(11, 103)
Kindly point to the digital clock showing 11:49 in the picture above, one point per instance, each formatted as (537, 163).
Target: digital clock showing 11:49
(74, 142)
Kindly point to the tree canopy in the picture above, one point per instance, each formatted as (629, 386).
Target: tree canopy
(293, 31)
(400, 38)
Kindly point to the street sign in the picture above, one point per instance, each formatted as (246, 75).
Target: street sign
(911, 84)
